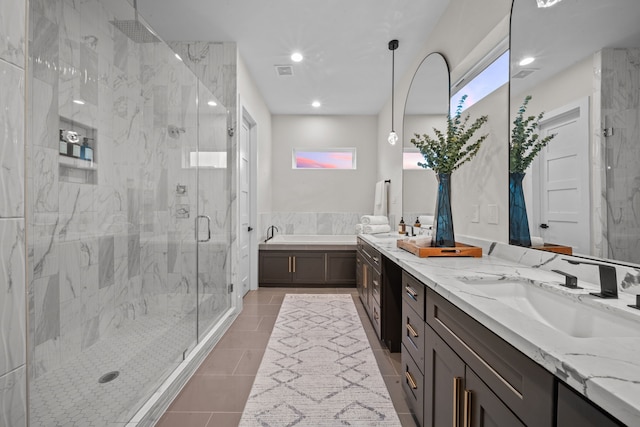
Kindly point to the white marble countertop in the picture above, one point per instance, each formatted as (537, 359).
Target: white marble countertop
(605, 369)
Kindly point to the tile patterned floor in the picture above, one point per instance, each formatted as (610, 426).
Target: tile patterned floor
(216, 395)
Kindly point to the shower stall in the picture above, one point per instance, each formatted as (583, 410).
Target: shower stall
(128, 213)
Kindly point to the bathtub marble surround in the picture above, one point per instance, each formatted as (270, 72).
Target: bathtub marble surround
(312, 223)
(602, 368)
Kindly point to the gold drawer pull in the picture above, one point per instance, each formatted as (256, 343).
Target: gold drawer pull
(457, 384)
(411, 292)
(412, 383)
(411, 330)
(467, 408)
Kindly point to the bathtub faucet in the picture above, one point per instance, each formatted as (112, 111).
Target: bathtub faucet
(273, 230)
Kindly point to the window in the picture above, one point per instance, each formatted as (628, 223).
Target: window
(410, 159)
(481, 83)
(332, 158)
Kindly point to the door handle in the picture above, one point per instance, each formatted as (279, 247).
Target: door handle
(545, 226)
(208, 228)
(249, 229)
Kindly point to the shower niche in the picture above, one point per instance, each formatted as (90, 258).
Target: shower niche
(77, 152)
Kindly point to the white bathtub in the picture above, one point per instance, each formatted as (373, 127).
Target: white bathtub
(313, 239)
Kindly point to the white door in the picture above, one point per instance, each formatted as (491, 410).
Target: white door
(244, 193)
(562, 194)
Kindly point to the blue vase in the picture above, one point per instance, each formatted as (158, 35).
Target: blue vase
(518, 221)
(444, 220)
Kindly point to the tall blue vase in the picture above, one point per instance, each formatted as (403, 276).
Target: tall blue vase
(518, 221)
(444, 219)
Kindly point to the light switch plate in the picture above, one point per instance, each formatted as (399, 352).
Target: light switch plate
(475, 213)
(493, 214)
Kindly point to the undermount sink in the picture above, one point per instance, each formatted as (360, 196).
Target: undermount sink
(562, 313)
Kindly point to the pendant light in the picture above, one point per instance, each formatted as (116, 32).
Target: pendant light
(393, 45)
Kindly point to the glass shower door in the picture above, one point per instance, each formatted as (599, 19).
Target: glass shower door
(214, 209)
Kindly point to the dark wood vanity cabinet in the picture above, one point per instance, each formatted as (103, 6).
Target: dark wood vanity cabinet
(378, 283)
(455, 394)
(306, 267)
(510, 387)
(574, 410)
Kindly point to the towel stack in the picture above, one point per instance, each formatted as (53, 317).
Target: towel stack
(373, 224)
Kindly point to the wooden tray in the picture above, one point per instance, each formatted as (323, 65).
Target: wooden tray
(460, 249)
(552, 247)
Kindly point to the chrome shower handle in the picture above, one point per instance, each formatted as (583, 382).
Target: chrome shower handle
(208, 228)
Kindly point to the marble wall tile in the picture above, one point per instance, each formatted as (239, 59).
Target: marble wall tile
(47, 309)
(12, 31)
(11, 141)
(13, 398)
(133, 254)
(43, 191)
(105, 264)
(12, 291)
(45, 51)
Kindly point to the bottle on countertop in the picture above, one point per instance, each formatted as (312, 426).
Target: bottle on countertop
(402, 229)
(417, 223)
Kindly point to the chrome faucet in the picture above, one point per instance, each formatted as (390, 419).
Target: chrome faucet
(608, 279)
(273, 230)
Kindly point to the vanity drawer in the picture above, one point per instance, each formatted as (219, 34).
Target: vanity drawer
(413, 293)
(372, 256)
(413, 386)
(524, 386)
(413, 334)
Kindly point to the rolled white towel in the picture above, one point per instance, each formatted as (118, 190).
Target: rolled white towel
(376, 228)
(425, 220)
(374, 220)
(537, 241)
(359, 228)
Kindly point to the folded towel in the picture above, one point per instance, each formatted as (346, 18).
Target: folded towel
(374, 219)
(376, 228)
(537, 241)
(359, 228)
(425, 220)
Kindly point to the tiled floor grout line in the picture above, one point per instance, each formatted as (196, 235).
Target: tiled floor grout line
(178, 417)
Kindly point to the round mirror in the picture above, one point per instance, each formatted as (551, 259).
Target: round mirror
(579, 62)
(426, 107)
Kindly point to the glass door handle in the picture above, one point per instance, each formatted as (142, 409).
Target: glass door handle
(198, 228)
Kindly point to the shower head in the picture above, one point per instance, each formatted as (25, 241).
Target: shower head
(134, 29)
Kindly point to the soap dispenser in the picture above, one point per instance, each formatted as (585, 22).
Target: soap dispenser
(417, 223)
(402, 227)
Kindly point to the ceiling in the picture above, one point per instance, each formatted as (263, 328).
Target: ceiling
(347, 62)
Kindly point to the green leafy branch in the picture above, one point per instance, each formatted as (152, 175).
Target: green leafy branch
(447, 152)
(525, 143)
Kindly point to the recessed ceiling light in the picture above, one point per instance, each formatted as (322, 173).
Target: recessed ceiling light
(526, 61)
(316, 104)
(178, 57)
(212, 103)
(296, 57)
(78, 101)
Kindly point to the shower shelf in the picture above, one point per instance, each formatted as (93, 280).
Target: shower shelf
(70, 162)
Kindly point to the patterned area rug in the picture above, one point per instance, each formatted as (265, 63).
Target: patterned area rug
(318, 369)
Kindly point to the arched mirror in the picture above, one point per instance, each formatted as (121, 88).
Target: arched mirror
(426, 107)
(579, 61)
